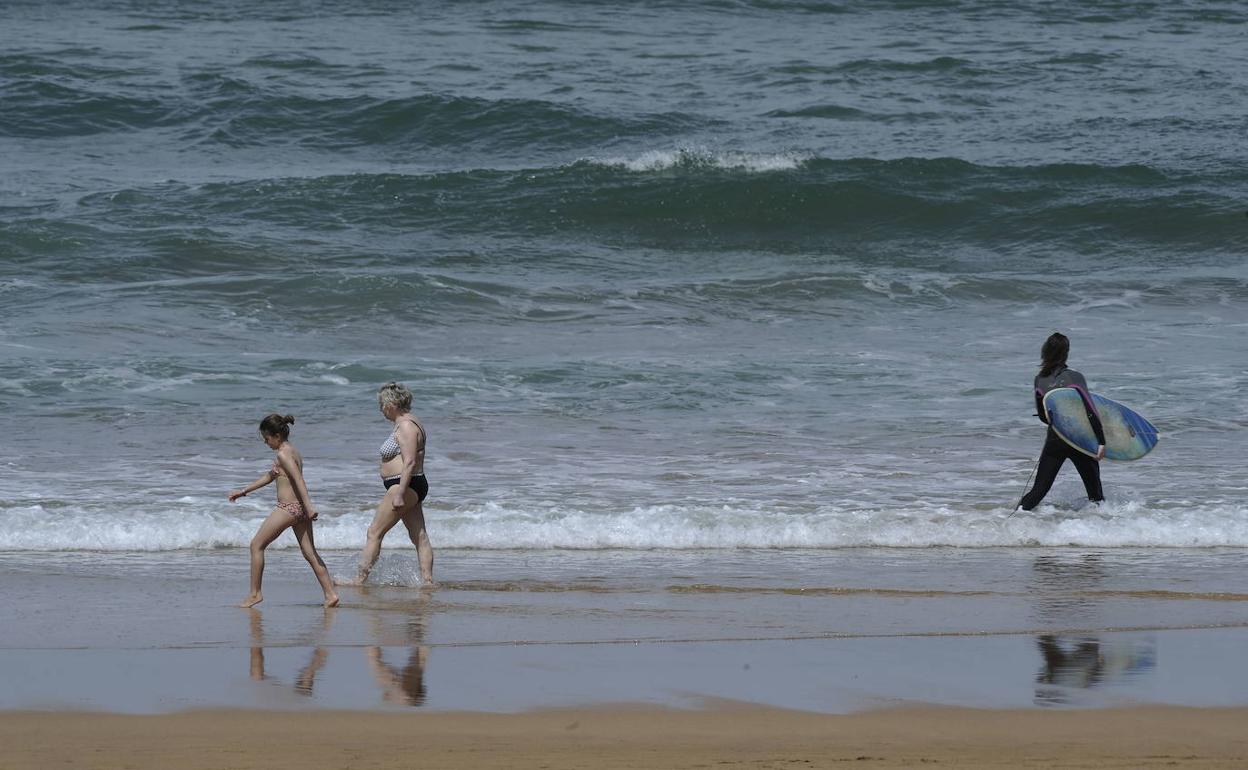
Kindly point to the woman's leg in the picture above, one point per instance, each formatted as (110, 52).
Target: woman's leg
(384, 520)
(273, 526)
(303, 533)
(414, 520)
(1090, 471)
(1051, 459)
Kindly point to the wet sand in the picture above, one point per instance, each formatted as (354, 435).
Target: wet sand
(1053, 658)
(725, 736)
(828, 632)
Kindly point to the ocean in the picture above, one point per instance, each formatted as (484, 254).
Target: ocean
(723, 275)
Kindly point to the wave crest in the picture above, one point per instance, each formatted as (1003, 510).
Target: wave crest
(200, 524)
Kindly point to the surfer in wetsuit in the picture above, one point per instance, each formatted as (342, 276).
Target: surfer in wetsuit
(1055, 374)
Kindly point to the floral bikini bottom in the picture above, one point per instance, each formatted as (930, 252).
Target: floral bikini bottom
(294, 509)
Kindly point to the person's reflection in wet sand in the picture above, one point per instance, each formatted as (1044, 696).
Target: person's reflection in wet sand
(1076, 661)
(401, 686)
(305, 680)
(1070, 663)
(1063, 601)
(406, 686)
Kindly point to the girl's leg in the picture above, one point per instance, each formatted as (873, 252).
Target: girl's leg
(385, 519)
(303, 532)
(414, 520)
(257, 645)
(273, 526)
(306, 679)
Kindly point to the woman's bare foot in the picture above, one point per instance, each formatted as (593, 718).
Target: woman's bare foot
(252, 600)
(331, 600)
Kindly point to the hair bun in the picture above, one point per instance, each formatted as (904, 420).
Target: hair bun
(289, 419)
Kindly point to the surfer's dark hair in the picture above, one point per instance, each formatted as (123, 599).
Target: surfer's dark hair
(277, 425)
(1053, 354)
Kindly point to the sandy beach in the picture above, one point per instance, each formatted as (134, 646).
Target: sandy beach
(727, 735)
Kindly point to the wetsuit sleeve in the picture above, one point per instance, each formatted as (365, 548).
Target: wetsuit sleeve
(1075, 380)
(1038, 391)
(1040, 406)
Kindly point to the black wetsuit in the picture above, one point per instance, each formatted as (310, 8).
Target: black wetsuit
(1056, 451)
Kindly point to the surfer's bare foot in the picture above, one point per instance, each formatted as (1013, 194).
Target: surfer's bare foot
(252, 600)
(427, 582)
(358, 580)
(331, 600)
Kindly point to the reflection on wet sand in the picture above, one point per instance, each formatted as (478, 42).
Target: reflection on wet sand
(1068, 595)
(1070, 663)
(390, 624)
(401, 686)
(305, 680)
(405, 686)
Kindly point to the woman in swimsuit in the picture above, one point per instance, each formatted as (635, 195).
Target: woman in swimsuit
(294, 508)
(403, 474)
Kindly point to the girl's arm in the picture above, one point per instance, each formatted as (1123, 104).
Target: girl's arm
(263, 481)
(296, 481)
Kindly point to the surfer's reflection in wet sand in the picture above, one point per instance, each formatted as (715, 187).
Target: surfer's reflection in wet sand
(1074, 664)
(403, 686)
(1068, 663)
(305, 680)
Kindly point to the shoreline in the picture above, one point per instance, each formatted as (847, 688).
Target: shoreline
(829, 633)
(623, 736)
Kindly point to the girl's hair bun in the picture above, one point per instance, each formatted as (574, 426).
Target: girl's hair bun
(277, 425)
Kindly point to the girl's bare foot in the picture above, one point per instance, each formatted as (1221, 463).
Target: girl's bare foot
(331, 600)
(252, 600)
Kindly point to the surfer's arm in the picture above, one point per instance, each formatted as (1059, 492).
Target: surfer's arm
(1040, 407)
(1093, 417)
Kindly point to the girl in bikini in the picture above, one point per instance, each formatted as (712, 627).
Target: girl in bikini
(294, 508)
(402, 458)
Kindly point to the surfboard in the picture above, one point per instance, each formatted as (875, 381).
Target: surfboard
(1128, 436)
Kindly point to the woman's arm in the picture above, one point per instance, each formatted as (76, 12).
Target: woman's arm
(263, 481)
(410, 438)
(1072, 379)
(1093, 418)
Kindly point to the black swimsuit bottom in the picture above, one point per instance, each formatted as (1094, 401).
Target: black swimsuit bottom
(418, 483)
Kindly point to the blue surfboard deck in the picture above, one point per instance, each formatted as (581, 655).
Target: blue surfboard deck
(1128, 436)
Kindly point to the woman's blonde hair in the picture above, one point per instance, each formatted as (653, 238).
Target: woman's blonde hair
(395, 394)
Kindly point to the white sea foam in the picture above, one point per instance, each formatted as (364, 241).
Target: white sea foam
(202, 525)
(661, 160)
